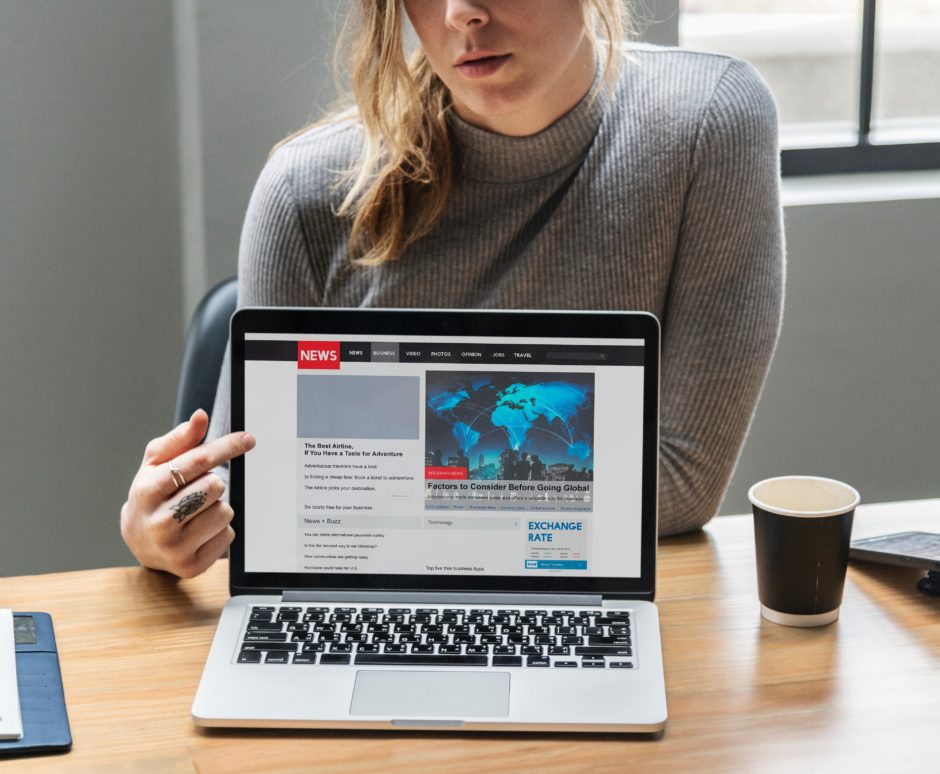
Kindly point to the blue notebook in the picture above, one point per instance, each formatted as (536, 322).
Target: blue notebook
(42, 700)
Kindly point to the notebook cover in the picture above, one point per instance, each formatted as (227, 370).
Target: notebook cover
(42, 699)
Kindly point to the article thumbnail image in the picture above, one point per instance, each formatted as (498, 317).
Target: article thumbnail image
(511, 425)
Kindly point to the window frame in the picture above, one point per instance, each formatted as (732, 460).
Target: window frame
(865, 154)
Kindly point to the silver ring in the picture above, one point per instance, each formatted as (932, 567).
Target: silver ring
(177, 475)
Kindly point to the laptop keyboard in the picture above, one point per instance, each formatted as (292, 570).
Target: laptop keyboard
(467, 637)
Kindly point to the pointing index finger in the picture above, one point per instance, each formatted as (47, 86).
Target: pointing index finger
(204, 458)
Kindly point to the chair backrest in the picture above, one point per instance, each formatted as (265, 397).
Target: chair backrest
(204, 349)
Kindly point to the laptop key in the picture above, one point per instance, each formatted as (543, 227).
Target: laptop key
(341, 647)
(537, 661)
(603, 650)
(262, 609)
(567, 664)
(610, 621)
(335, 658)
(418, 659)
(422, 648)
(276, 657)
(478, 649)
(314, 647)
(510, 661)
(392, 648)
(618, 640)
(264, 626)
(367, 647)
(621, 664)
(290, 647)
(593, 663)
(249, 657)
(305, 658)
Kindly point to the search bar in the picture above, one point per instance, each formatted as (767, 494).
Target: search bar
(576, 355)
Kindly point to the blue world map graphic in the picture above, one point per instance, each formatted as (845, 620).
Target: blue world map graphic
(482, 415)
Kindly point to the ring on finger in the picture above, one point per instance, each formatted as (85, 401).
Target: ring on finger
(177, 475)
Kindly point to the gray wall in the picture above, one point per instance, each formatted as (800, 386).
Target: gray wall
(852, 393)
(264, 71)
(131, 132)
(90, 309)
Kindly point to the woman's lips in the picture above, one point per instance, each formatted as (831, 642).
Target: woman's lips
(480, 68)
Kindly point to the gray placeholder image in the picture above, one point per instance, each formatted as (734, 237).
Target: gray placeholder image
(382, 407)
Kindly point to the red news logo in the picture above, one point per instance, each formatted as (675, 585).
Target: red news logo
(317, 354)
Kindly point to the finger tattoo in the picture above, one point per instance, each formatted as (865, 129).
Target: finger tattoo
(188, 505)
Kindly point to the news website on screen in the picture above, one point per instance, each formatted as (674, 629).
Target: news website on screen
(446, 456)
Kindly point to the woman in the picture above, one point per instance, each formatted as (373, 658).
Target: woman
(517, 161)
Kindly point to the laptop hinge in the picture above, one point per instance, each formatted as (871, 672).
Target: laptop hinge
(442, 597)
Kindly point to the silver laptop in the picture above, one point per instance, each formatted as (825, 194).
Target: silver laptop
(448, 522)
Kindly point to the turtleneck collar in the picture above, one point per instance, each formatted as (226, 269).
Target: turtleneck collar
(497, 158)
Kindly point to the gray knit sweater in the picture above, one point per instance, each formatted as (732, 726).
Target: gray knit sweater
(674, 210)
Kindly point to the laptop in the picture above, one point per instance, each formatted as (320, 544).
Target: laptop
(448, 523)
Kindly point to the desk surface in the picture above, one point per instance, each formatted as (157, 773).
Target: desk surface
(743, 694)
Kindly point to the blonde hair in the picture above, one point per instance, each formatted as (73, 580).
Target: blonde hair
(401, 182)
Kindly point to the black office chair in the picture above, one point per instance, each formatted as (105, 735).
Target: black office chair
(206, 338)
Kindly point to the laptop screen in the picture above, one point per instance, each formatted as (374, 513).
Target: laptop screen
(440, 454)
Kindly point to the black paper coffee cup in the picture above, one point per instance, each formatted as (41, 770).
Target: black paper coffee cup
(802, 530)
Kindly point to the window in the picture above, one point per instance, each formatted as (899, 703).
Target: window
(856, 90)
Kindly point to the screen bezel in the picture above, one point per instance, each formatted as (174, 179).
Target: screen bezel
(470, 323)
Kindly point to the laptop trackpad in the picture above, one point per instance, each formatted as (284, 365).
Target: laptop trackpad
(402, 694)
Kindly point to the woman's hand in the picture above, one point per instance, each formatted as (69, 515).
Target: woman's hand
(173, 519)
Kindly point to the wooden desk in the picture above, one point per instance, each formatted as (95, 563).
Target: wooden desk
(744, 695)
